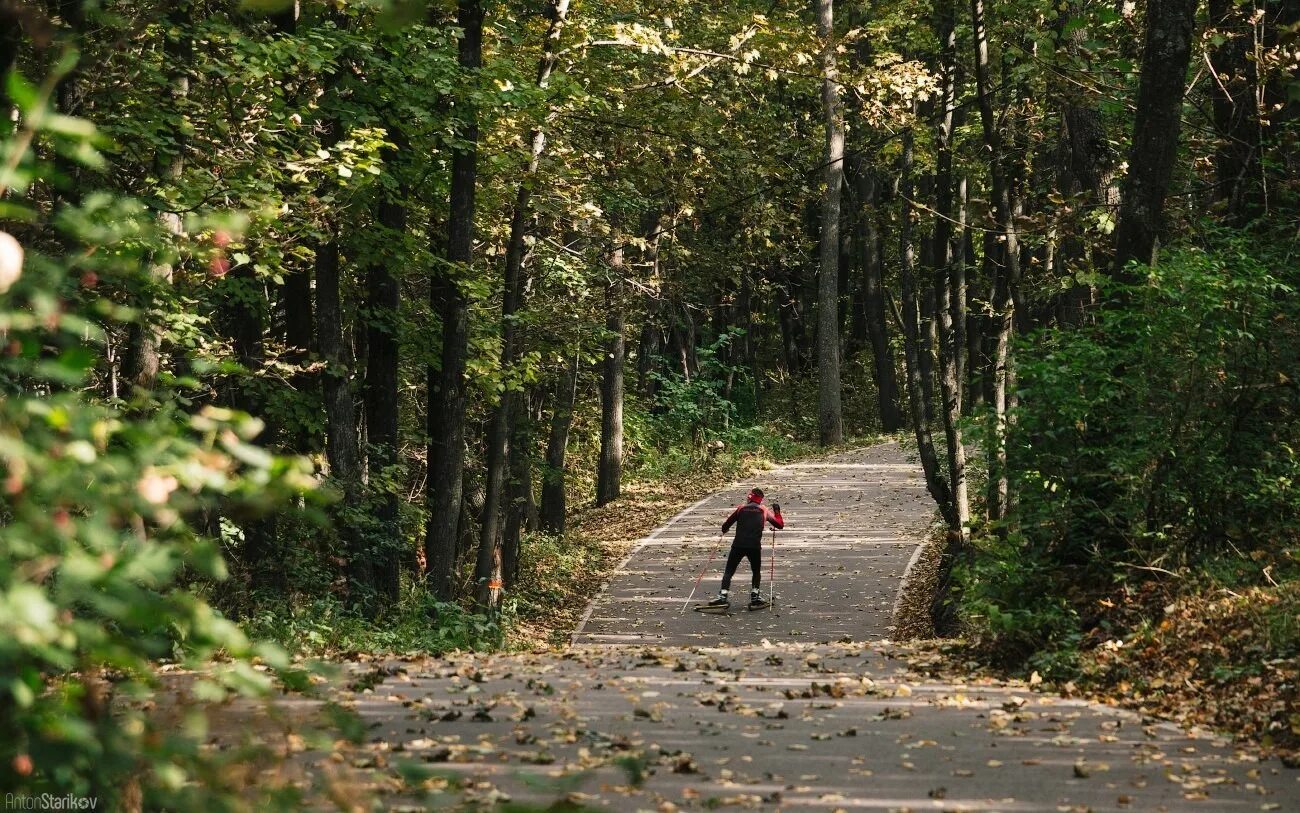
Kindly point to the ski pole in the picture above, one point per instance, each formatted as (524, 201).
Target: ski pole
(713, 551)
(771, 578)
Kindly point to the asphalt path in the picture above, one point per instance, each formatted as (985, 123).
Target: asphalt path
(803, 707)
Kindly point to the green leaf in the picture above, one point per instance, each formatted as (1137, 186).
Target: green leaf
(265, 6)
(22, 93)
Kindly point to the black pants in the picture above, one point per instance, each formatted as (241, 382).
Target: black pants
(755, 557)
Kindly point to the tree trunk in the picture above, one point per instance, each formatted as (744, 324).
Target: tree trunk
(383, 301)
(299, 318)
(949, 279)
(300, 341)
(873, 300)
(447, 385)
(648, 348)
(487, 572)
(913, 350)
(1236, 111)
(830, 417)
(295, 296)
(982, 336)
(844, 266)
(789, 316)
(1091, 160)
(519, 492)
(1280, 102)
(1003, 325)
(487, 568)
(70, 89)
(745, 304)
(286, 18)
(609, 471)
(11, 38)
(950, 290)
(144, 353)
(1170, 25)
(857, 339)
(928, 337)
(1009, 279)
(957, 293)
(341, 445)
(553, 480)
(682, 340)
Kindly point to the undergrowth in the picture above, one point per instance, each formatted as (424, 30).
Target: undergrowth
(418, 624)
(1152, 549)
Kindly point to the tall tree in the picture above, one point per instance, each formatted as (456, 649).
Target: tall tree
(1004, 292)
(870, 268)
(915, 343)
(446, 383)
(143, 360)
(522, 512)
(830, 418)
(1234, 89)
(609, 467)
(342, 445)
(295, 297)
(487, 571)
(1166, 54)
(553, 512)
(382, 396)
(1091, 160)
(949, 280)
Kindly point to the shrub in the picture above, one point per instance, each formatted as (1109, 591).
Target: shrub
(1163, 434)
(417, 624)
(99, 505)
(697, 408)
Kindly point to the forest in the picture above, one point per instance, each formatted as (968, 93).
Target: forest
(362, 326)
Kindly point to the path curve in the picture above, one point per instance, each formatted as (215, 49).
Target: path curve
(854, 521)
(765, 712)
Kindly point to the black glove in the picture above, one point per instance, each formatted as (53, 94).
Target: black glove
(776, 508)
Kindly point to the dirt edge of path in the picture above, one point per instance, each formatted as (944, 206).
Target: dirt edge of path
(916, 592)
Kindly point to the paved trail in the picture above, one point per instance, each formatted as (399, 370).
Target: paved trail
(853, 522)
(778, 712)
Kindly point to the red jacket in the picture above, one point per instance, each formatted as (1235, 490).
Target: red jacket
(751, 520)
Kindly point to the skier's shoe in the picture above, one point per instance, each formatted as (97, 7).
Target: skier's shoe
(758, 603)
(721, 602)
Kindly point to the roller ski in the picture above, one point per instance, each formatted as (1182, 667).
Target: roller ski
(720, 605)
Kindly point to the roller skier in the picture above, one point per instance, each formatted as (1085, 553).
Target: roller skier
(751, 519)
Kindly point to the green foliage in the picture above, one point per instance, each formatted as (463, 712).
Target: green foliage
(103, 508)
(1162, 437)
(552, 570)
(417, 625)
(699, 407)
(1171, 428)
(731, 451)
(1007, 602)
